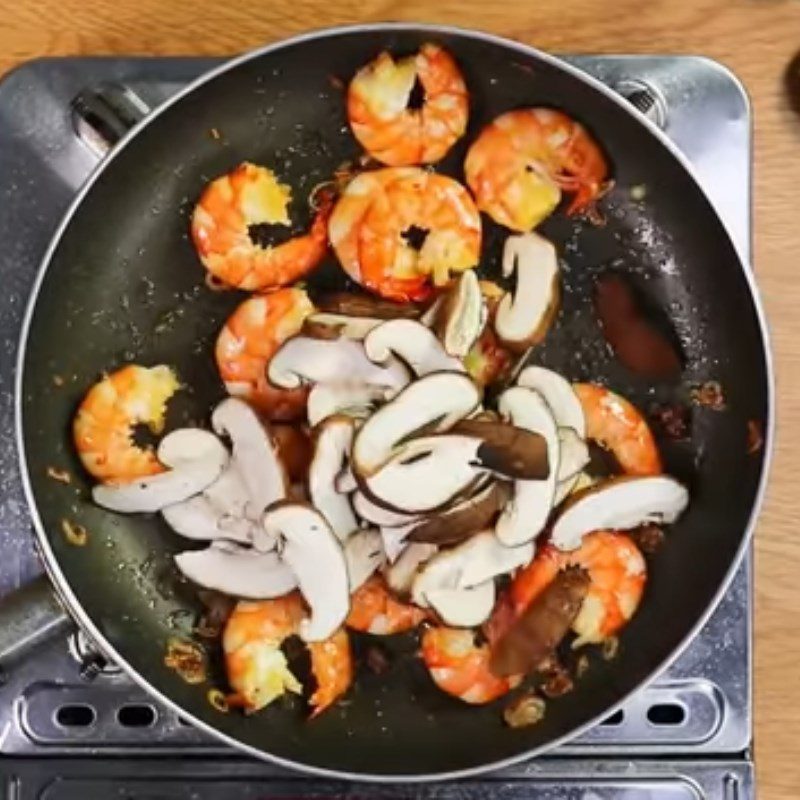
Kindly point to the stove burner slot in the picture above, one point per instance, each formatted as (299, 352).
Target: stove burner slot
(76, 715)
(615, 719)
(137, 716)
(666, 714)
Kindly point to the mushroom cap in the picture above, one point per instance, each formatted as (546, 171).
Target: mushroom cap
(412, 342)
(310, 548)
(302, 360)
(196, 458)
(524, 315)
(237, 571)
(620, 503)
(325, 325)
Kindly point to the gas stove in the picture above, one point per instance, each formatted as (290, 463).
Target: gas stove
(72, 725)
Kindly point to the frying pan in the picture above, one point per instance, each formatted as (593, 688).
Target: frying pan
(121, 282)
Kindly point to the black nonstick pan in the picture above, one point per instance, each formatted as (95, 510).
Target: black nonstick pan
(122, 283)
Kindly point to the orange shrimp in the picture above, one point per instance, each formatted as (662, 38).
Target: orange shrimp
(103, 426)
(461, 668)
(249, 339)
(257, 668)
(616, 424)
(251, 195)
(374, 610)
(522, 161)
(617, 574)
(396, 230)
(380, 113)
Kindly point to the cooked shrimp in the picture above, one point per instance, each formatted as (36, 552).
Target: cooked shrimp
(104, 423)
(617, 574)
(461, 668)
(257, 668)
(221, 230)
(379, 107)
(396, 230)
(616, 424)
(373, 609)
(522, 161)
(249, 339)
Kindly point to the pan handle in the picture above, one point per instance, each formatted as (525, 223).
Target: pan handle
(103, 114)
(29, 617)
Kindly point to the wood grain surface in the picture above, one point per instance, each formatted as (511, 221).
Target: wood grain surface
(756, 38)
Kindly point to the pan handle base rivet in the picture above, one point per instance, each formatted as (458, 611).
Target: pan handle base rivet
(646, 98)
(92, 662)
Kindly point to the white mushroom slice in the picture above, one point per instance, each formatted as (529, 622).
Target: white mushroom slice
(363, 554)
(331, 449)
(379, 515)
(345, 482)
(335, 325)
(462, 315)
(428, 318)
(558, 394)
(197, 518)
(464, 608)
(401, 574)
(573, 453)
(254, 454)
(425, 474)
(433, 403)
(473, 562)
(356, 400)
(524, 315)
(619, 504)
(574, 485)
(308, 545)
(526, 513)
(195, 457)
(415, 344)
(237, 571)
(394, 540)
(303, 360)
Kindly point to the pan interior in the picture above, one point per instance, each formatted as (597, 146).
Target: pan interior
(124, 284)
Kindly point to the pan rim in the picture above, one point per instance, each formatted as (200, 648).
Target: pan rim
(60, 582)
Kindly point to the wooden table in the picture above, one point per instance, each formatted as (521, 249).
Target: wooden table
(756, 38)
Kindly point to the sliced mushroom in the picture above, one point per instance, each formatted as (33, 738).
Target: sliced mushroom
(425, 474)
(463, 608)
(303, 360)
(412, 342)
(379, 515)
(573, 454)
(538, 630)
(331, 449)
(463, 520)
(461, 316)
(307, 544)
(254, 453)
(198, 518)
(365, 305)
(323, 325)
(400, 575)
(357, 400)
(473, 562)
(237, 571)
(619, 504)
(345, 482)
(433, 403)
(526, 513)
(428, 317)
(524, 315)
(558, 394)
(196, 458)
(363, 554)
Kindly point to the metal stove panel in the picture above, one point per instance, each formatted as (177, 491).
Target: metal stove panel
(41, 165)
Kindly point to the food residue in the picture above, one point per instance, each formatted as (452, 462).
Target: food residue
(74, 533)
(524, 711)
(187, 658)
(60, 475)
(709, 395)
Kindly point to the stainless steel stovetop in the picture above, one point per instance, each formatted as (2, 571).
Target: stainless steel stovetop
(68, 730)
